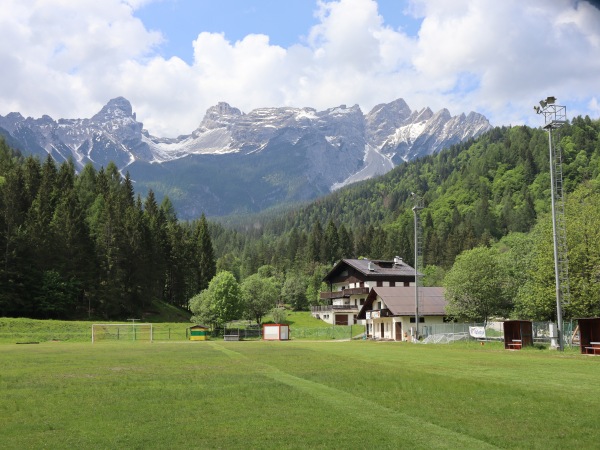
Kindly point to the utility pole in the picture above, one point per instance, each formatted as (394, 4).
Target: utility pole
(555, 116)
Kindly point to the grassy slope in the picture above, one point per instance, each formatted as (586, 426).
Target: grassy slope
(295, 395)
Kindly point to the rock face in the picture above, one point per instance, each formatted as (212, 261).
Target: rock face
(236, 162)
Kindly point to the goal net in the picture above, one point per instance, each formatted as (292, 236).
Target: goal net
(121, 332)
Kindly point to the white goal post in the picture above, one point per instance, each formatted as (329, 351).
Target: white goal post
(121, 332)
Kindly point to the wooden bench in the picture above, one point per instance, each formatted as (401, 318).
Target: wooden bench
(516, 344)
(593, 348)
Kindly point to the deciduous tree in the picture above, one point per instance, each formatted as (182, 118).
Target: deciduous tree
(475, 286)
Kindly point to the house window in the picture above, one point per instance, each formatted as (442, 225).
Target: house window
(379, 284)
(392, 284)
(406, 283)
(421, 319)
(362, 284)
(362, 301)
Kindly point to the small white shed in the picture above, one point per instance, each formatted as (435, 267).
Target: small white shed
(276, 332)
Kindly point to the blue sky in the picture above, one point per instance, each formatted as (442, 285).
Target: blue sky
(173, 59)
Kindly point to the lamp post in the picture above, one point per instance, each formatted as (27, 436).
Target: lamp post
(418, 256)
(555, 116)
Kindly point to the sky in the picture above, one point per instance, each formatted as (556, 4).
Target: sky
(173, 59)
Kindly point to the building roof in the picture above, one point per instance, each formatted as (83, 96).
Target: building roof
(374, 268)
(401, 301)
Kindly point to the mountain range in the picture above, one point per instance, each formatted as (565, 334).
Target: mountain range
(237, 162)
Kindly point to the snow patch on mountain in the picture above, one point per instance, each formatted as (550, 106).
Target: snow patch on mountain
(375, 163)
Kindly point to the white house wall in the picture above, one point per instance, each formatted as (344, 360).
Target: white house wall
(389, 331)
(327, 316)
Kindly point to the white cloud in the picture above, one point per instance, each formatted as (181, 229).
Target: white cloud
(518, 51)
(67, 59)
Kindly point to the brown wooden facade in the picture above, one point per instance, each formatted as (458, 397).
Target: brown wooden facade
(518, 334)
(589, 335)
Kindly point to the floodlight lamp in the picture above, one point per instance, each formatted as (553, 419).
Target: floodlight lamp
(550, 100)
(536, 109)
(543, 103)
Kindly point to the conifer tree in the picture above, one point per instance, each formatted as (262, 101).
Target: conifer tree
(207, 267)
(315, 243)
(331, 243)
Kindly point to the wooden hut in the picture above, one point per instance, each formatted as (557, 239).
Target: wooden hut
(518, 334)
(198, 333)
(589, 335)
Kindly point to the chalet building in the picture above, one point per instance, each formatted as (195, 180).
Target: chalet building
(350, 281)
(389, 312)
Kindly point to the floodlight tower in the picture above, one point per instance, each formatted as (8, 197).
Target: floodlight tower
(555, 116)
(418, 206)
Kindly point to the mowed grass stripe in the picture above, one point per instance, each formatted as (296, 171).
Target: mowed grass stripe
(294, 394)
(407, 430)
(511, 399)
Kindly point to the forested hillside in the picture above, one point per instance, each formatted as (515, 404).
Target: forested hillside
(82, 245)
(78, 244)
(476, 194)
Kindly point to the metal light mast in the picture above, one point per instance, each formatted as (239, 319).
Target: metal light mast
(418, 255)
(555, 116)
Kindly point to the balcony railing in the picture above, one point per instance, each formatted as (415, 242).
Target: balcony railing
(378, 313)
(345, 293)
(325, 308)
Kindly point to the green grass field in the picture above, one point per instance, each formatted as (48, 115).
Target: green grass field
(295, 394)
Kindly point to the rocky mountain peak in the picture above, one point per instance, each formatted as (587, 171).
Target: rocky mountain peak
(423, 115)
(385, 118)
(219, 115)
(116, 108)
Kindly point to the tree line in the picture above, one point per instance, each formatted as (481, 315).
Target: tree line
(76, 245)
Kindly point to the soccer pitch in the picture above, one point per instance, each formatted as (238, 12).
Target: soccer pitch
(295, 394)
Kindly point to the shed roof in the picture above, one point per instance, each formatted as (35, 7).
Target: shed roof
(401, 301)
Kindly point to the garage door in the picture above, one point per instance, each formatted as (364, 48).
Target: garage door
(341, 319)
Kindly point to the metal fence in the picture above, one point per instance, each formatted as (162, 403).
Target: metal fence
(239, 334)
(332, 332)
(542, 332)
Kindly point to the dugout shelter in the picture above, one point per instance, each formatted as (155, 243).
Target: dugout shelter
(589, 335)
(518, 334)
